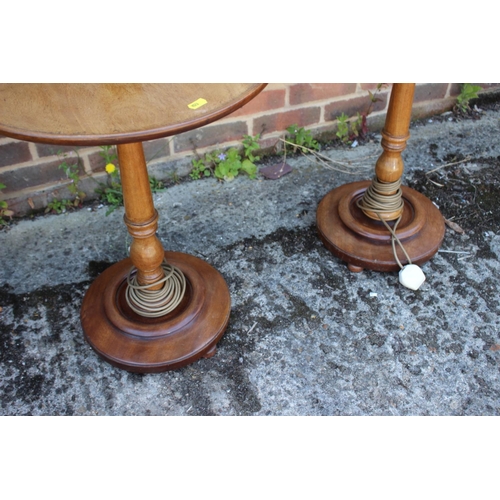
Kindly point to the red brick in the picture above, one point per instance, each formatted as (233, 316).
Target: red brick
(54, 149)
(375, 123)
(308, 92)
(21, 206)
(372, 87)
(485, 86)
(36, 175)
(368, 86)
(13, 153)
(430, 91)
(455, 89)
(278, 122)
(354, 106)
(157, 148)
(97, 162)
(266, 100)
(430, 108)
(210, 136)
(153, 150)
(268, 144)
(43, 195)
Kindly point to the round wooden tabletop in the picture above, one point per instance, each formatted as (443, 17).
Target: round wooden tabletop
(114, 113)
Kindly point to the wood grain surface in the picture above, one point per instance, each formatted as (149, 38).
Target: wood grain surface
(112, 113)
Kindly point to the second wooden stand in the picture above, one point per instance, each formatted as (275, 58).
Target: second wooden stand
(355, 235)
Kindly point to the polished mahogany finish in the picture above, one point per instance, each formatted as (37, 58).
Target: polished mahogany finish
(140, 344)
(126, 115)
(358, 236)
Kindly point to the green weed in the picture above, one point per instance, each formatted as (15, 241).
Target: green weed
(350, 130)
(226, 165)
(71, 170)
(110, 192)
(301, 139)
(4, 209)
(59, 206)
(467, 92)
(343, 128)
(156, 185)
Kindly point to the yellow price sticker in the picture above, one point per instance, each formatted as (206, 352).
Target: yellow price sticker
(197, 104)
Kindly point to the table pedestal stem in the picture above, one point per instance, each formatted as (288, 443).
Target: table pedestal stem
(141, 218)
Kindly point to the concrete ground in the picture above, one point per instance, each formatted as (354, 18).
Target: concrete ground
(306, 336)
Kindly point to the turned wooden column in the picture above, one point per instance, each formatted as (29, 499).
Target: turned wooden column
(141, 218)
(395, 133)
(390, 166)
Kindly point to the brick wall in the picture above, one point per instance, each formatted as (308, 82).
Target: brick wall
(33, 178)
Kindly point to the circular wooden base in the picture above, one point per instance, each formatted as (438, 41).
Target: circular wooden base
(146, 345)
(365, 243)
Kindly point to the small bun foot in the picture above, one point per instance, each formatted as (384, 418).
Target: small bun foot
(211, 352)
(354, 269)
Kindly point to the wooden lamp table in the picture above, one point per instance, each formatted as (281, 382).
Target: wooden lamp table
(119, 327)
(358, 236)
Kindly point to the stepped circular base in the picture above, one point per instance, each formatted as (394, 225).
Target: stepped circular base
(146, 345)
(365, 243)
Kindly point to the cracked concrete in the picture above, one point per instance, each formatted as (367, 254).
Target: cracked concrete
(306, 336)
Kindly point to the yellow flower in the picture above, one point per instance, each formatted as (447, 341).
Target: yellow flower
(110, 168)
